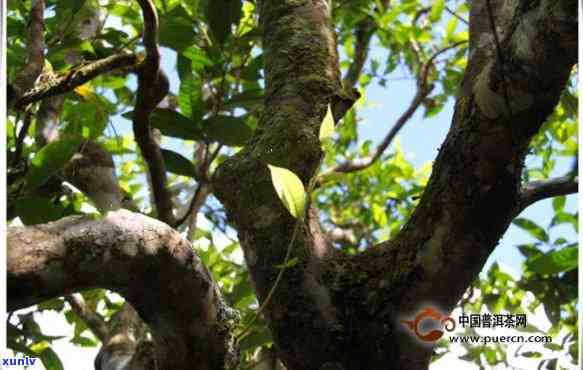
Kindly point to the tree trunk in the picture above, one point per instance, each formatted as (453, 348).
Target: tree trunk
(334, 311)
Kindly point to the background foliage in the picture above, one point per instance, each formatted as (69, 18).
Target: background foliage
(212, 51)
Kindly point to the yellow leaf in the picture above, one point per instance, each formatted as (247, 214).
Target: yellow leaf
(85, 91)
(289, 189)
(327, 127)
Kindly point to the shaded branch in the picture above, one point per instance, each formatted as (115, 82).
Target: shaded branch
(198, 198)
(152, 88)
(89, 317)
(535, 191)
(138, 257)
(35, 62)
(75, 77)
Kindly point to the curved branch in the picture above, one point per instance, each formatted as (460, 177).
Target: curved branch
(69, 80)
(138, 257)
(534, 191)
(152, 88)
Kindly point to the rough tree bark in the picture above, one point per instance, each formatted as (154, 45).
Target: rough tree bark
(144, 260)
(330, 311)
(334, 311)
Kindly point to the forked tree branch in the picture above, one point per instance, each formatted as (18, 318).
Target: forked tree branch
(535, 191)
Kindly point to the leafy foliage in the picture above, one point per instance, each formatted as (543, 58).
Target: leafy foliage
(214, 58)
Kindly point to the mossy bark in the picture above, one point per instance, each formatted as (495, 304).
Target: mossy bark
(333, 311)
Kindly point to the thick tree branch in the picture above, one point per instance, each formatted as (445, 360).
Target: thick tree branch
(138, 257)
(473, 192)
(152, 88)
(302, 79)
(534, 191)
(35, 62)
(69, 80)
(89, 317)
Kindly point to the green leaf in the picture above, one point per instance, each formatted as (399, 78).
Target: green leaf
(173, 124)
(198, 57)
(327, 126)
(83, 342)
(49, 160)
(227, 130)
(178, 164)
(437, 10)
(177, 29)
(190, 97)
(532, 228)
(37, 210)
(71, 5)
(247, 99)
(50, 360)
(554, 262)
(559, 203)
(289, 189)
(221, 14)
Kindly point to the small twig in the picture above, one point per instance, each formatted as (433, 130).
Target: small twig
(500, 57)
(534, 191)
(198, 198)
(94, 322)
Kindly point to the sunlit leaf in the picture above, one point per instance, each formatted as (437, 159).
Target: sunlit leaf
(327, 126)
(554, 262)
(289, 189)
(532, 228)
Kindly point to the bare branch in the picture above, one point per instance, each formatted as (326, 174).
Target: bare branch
(152, 88)
(138, 257)
(75, 77)
(199, 197)
(89, 317)
(534, 191)
(36, 51)
(423, 90)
